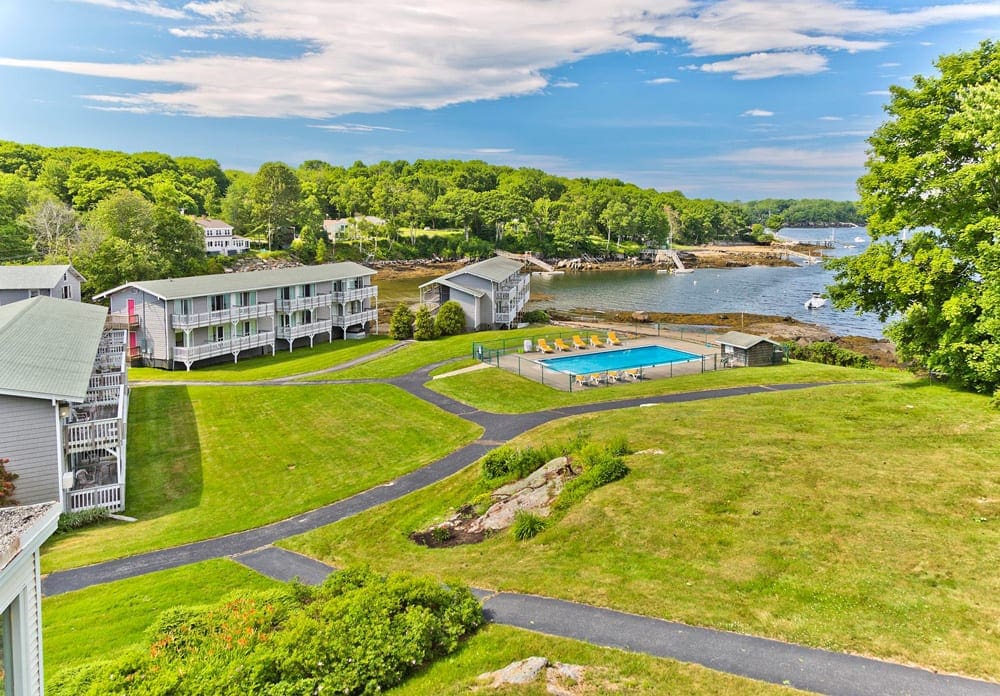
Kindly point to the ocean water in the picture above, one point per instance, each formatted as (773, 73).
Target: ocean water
(755, 289)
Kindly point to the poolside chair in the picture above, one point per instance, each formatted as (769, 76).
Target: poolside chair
(544, 346)
(632, 374)
(613, 376)
(613, 339)
(578, 342)
(594, 379)
(581, 380)
(561, 345)
(596, 341)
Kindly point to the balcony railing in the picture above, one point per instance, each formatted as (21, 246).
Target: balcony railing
(226, 347)
(122, 320)
(300, 303)
(109, 496)
(346, 320)
(355, 294)
(221, 316)
(293, 332)
(92, 435)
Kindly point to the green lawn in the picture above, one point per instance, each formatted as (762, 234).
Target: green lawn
(607, 671)
(282, 364)
(96, 622)
(499, 391)
(205, 461)
(858, 517)
(422, 353)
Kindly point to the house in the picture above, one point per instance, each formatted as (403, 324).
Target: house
(492, 292)
(22, 282)
(63, 403)
(337, 228)
(187, 320)
(219, 238)
(22, 531)
(746, 350)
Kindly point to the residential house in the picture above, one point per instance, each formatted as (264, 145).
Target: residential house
(746, 350)
(337, 228)
(492, 292)
(219, 238)
(63, 403)
(22, 531)
(187, 320)
(23, 282)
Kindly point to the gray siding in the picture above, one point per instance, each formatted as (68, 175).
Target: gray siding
(8, 296)
(28, 437)
(72, 283)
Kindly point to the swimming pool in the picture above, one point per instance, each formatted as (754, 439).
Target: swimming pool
(597, 360)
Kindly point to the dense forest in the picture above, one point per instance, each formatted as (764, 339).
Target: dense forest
(122, 216)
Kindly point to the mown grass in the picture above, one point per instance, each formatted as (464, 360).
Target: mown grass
(422, 353)
(499, 391)
(95, 623)
(607, 671)
(857, 517)
(282, 364)
(205, 461)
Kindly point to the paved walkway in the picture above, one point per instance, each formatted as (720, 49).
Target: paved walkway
(750, 656)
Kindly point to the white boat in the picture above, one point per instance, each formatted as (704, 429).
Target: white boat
(816, 301)
(860, 240)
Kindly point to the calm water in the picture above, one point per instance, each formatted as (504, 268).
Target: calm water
(755, 290)
(644, 356)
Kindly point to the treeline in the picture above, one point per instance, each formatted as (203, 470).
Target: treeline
(122, 216)
(804, 212)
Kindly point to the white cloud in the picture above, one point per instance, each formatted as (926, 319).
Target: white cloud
(370, 57)
(889, 65)
(879, 93)
(356, 128)
(564, 84)
(852, 157)
(492, 150)
(661, 81)
(831, 118)
(759, 66)
(757, 113)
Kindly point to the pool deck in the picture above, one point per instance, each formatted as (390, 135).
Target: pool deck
(528, 365)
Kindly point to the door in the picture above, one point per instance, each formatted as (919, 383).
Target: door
(132, 338)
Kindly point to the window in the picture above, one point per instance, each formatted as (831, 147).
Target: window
(179, 339)
(219, 333)
(286, 293)
(67, 292)
(245, 328)
(182, 306)
(307, 291)
(286, 321)
(307, 317)
(220, 302)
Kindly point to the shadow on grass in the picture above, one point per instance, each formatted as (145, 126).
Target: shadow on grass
(164, 453)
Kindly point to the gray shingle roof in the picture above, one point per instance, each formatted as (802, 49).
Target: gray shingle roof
(496, 269)
(32, 277)
(48, 346)
(198, 286)
(742, 340)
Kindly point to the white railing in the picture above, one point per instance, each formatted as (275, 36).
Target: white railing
(97, 496)
(293, 332)
(299, 303)
(356, 293)
(103, 396)
(221, 316)
(228, 346)
(102, 380)
(346, 320)
(91, 435)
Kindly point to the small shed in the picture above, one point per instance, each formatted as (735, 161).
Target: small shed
(746, 350)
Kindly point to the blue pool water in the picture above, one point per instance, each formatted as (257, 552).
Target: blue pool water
(599, 360)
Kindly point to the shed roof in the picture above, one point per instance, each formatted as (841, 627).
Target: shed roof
(742, 340)
(48, 346)
(496, 269)
(24, 528)
(33, 277)
(198, 286)
(475, 292)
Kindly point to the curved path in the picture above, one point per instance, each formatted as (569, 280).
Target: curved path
(750, 656)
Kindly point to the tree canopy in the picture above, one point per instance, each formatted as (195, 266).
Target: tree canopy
(932, 193)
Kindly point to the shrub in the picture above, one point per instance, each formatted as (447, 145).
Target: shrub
(526, 525)
(423, 325)
(505, 464)
(357, 633)
(600, 465)
(401, 323)
(7, 479)
(536, 316)
(828, 353)
(81, 518)
(450, 319)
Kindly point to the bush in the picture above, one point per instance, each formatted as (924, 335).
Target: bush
(357, 633)
(450, 319)
(7, 479)
(423, 325)
(526, 525)
(81, 518)
(536, 316)
(506, 464)
(828, 353)
(600, 465)
(401, 323)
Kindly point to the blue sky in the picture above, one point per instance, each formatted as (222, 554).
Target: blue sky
(730, 99)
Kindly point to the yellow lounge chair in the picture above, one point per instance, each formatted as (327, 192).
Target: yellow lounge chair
(613, 339)
(632, 374)
(581, 380)
(578, 342)
(544, 346)
(596, 341)
(561, 345)
(594, 379)
(613, 376)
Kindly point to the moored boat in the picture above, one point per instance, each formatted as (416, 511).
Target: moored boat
(816, 301)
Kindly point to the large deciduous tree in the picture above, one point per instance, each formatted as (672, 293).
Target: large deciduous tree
(274, 202)
(932, 194)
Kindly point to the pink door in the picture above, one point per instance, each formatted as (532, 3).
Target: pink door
(131, 334)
